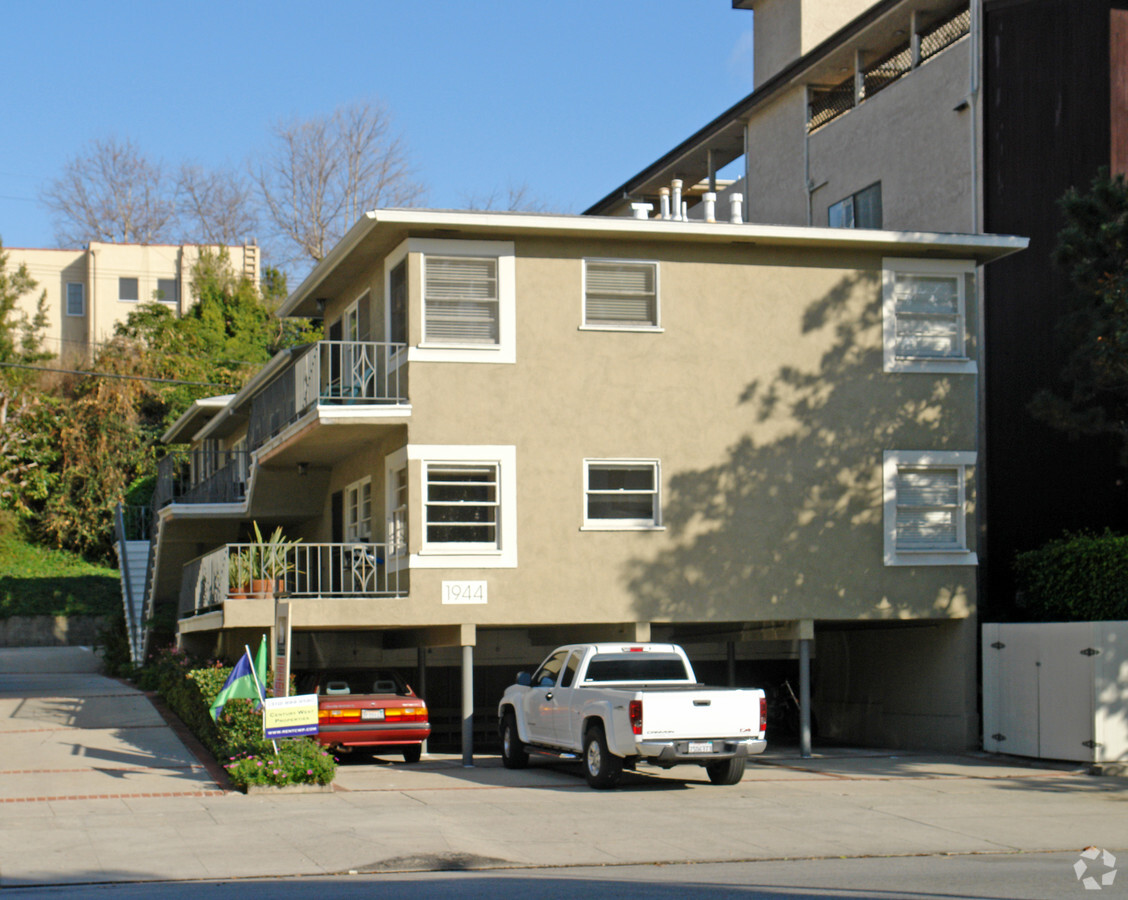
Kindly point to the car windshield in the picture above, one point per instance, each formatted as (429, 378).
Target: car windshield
(636, 667)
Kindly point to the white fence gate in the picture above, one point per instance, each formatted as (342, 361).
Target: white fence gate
(1056, 690)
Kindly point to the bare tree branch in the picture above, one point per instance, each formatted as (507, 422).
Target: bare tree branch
(323, 173)
(214, 206)
(111, 192)
(516, 198)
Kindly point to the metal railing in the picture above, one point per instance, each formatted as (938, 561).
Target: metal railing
(239, 571)
(203, 476)
(330, 372)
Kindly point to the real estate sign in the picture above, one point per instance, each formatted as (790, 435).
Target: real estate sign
(285, 717)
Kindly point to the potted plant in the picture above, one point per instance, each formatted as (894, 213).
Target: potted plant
(274, 561)
(239, 569)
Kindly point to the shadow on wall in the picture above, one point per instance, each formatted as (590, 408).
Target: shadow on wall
(788, 524)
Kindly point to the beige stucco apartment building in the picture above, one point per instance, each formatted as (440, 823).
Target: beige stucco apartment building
(523, 430)
(90, 290)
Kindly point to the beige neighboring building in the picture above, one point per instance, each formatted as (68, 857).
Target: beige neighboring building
(524, 430)
(90, 290)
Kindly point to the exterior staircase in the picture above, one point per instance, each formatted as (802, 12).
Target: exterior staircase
(133, 562)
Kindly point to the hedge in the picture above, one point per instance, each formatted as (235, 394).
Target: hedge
(1078, 577)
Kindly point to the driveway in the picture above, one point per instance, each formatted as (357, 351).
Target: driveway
(69, 733)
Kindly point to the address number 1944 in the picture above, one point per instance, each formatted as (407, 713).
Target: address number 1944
(464, 592)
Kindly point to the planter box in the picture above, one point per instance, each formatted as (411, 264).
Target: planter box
(274, 790)
(1057, 691)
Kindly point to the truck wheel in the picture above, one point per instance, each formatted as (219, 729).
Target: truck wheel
(601, 768)
(513, 755)
(413, 753)
(727, 771)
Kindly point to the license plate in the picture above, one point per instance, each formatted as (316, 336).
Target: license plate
(372, 713)
(700, 747)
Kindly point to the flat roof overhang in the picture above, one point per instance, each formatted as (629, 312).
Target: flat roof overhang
(379, 232)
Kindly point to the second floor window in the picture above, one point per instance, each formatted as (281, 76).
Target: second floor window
(860, 210)
(924, 315)
(462, 505)
(620, 294)
(460, 300)
(168, 291)
(76, 298)
(127, 289)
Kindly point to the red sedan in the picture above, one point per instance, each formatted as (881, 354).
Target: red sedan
(371, 709)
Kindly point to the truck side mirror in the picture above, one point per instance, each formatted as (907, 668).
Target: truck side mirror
(524, 679)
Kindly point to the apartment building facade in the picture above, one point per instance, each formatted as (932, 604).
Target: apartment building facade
(524, 430)
(91, 290)
(940, 115)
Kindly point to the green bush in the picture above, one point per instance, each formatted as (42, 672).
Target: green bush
(1077, 577)
(300, 761)
(189, 686)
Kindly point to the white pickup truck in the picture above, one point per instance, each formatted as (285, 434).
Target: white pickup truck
(615, 705)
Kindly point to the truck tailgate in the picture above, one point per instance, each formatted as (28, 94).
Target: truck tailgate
(700, 713)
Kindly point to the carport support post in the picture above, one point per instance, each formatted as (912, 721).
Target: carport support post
(421, 677)
(468, 640)
(731, 653)
(806, 636)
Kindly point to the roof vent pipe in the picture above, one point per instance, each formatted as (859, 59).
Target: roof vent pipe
(664, 202)
(676, 200)
(642, 210)
(736, 201)
(710, 201)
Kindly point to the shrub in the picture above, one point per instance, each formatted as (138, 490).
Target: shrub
(1077, 577)
(299, 761)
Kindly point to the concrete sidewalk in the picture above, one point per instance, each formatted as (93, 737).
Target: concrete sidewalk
(385, 816)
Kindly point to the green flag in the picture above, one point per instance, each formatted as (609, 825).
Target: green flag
(260, 663)
(242, 682)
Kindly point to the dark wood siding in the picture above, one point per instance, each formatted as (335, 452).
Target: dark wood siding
(1047, 123)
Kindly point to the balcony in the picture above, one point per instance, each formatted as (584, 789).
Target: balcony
(237, 572)
(202, 476)
(329, 373)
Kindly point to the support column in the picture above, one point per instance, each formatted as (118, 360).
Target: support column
(806, 638)
(731, 648)
(468, 639)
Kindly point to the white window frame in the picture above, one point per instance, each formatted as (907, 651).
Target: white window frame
(450, 556)
(81, 298)
(894, 460)
(135, 279)
(505, 350)
(654, 524)
(358, 527)
(959, 364)
(655, 326)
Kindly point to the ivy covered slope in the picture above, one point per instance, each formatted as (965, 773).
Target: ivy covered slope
(36, 581)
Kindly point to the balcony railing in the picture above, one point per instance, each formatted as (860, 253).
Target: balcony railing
(236, 572)
(329, 373)
(203, 476)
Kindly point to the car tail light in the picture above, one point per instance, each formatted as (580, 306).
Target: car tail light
(636, 716)
(763, 714)
(338, 716)
(406, 714)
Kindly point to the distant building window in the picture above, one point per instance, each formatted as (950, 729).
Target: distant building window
(621, 494)
(127, 289)
(924, 315)
(620, 294)
(168, 290)
(76, 298)
(860, 210)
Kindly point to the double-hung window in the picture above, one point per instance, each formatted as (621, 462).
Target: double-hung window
(926, 507)
(460, 300)
(924, 315)
(462, 505)
(76, 298)
(621, 494)
(620, 294)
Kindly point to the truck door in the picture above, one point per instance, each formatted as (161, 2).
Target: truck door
(564, 724)
(539, 699)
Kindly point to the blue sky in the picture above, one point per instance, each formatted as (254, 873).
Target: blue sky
(569, 98)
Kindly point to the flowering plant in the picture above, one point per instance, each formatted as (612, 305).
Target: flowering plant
(299, 761)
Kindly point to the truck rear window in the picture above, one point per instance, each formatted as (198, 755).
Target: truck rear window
(636, 667)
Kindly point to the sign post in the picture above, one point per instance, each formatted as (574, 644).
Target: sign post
(281, 648)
